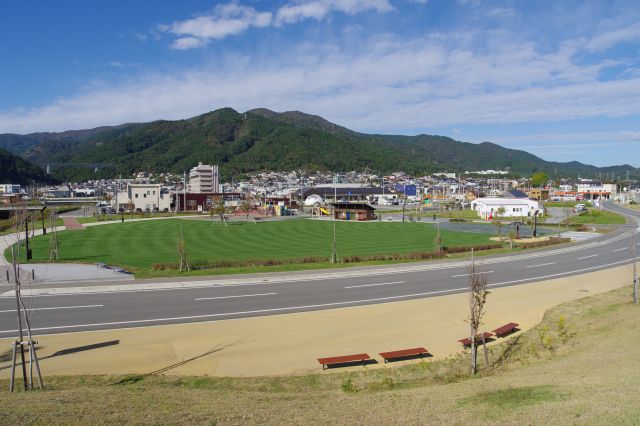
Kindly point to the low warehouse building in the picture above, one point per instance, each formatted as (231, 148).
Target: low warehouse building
(487, 208)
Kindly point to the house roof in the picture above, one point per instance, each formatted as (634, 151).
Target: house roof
(329, 191)
(504, 201)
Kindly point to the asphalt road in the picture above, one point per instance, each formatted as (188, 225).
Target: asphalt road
(61, 308)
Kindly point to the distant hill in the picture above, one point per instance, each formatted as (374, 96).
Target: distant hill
(261, 139)
(14, 169)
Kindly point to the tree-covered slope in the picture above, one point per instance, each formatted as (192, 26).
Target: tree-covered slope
(14, 169)
(261, 139)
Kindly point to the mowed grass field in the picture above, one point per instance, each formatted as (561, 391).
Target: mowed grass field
(139, 245)
(580, 366)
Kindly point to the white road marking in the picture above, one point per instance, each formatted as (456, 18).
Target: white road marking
(259, 311)
(56, 307)
(374, 285)
(233, 297)
(290, 308)
(466, 275)
(620, 249)
(587, 257)
(542, 264)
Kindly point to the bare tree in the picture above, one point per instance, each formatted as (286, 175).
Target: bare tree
(478, 292)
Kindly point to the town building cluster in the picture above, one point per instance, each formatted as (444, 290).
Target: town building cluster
(286, 192)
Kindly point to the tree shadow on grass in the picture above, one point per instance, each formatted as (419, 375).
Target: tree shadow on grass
(511, 346)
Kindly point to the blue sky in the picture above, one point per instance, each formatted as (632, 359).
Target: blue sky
(560, 79)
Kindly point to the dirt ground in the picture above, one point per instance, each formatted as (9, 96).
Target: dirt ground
(290, 344)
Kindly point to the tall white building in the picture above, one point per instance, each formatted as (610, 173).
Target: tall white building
(203, 179)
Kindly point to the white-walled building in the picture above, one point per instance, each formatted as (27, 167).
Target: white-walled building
(204, 179)
(513, 207)
(143, 197)
(9, 188)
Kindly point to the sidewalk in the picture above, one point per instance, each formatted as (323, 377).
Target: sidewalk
(290, 344)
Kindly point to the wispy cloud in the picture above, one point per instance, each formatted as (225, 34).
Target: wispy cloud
(607, 39)
(388, 85)
(233, 18)
(501, 12)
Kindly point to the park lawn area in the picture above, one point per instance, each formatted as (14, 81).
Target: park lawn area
(597, 217)
(137, 246)
(579, 366)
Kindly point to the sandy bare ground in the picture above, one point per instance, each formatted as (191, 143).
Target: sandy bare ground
(289, 344)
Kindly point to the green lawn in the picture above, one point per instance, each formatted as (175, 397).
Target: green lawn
(597, 217)
(138, 245)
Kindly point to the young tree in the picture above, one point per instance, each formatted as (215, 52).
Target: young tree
(512, 236)
(246, 206)
(182, 252)
(437, 241)
(218, 209)
(497, 220)
(478, 292)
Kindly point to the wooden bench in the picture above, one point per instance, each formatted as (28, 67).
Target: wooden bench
(505, 329)
(467, 340)
(344, 359)
(404, 353)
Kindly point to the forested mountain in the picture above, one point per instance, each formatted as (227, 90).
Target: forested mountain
(261, 139)
(14, 169)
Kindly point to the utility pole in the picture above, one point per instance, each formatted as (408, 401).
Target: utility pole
(184, 190)
(334, 255)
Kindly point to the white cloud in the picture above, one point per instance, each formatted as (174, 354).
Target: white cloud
(501, 12)
(226, 19)
(183, 43)
(610, 38)
(387, 85)
(318, 9)
(233, 18)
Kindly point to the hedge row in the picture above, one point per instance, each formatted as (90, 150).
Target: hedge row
(213, 264)
(550, 242)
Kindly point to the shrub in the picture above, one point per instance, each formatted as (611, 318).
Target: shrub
(349, 386)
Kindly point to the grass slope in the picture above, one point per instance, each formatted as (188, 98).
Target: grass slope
(138, 245)
(577, 366)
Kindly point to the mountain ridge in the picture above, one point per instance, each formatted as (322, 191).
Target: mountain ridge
(262, 139)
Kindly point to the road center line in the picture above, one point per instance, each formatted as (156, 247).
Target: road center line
(541, 264)
(587, 257)
(374, 285)
(466, 275)
(290, 308)
(233, 297)
(57, 307)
